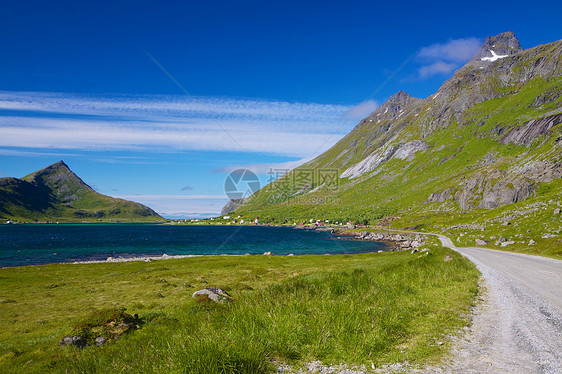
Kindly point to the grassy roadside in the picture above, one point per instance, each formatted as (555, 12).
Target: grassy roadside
(355, 309)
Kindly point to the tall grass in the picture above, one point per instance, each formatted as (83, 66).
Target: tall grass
(356, 315)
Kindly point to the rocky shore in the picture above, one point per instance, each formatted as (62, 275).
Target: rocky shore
(400, 242)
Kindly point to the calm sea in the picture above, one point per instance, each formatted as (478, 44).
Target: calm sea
(44, 244)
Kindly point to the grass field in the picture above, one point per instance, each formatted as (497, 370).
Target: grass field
(354, 309)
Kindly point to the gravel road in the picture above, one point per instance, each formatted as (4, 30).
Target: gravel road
(518, 326)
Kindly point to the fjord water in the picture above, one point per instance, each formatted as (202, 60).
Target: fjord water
(43, 244)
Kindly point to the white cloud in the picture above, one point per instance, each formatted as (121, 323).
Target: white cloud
(459, 50)
(88, 135)
(438, 67)
(443, 58)
(171, 123)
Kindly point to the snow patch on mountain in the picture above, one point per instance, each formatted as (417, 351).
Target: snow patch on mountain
(494, 56)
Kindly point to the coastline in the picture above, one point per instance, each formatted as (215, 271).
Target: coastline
(393, 242)
(398, 242)
(140, 258)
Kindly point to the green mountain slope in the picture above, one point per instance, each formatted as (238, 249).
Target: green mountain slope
(55, 193)
(488, 139)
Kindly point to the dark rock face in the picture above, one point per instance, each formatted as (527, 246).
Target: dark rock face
(491, 190)
(440, 197)
(541, 171)
(526, 133)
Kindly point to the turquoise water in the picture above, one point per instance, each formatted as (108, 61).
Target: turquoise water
(44, 244)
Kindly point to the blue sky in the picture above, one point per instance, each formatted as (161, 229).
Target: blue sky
(158, 101)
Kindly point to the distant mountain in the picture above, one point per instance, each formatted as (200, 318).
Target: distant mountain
(490, 136)
(55, 193)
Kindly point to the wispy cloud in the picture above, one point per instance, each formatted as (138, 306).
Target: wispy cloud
(454, 50)
(443, 58)
(186, 188)
(170, 123)
(435, 68)
(362, 110)
(17, 152)
(274, 167)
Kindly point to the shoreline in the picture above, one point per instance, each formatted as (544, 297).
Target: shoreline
(393, 242)
(147, 258)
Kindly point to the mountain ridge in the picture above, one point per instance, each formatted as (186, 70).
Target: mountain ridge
(56, 193)
(489, 137)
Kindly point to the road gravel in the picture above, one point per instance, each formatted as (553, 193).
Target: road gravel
(517, 328)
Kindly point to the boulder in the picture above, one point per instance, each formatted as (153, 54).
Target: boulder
(76, 341)
(500, 240)
(532, 242)
(414, 250)
(100, 340)
(556, 211)
(425, 250)
(268, 254)
(405, 244)
(505, 244)
(448, 258)
(481, 242)
(216, 294)
(548, 235)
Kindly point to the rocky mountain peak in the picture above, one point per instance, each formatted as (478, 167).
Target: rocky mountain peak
(497, 47)
(401, 98)
(60, 165)
(59, 178)
(391, 108)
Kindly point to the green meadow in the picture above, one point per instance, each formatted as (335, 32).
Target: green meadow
(366, 309)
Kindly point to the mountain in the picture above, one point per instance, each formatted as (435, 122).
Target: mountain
(489, 137)
(55, 193)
